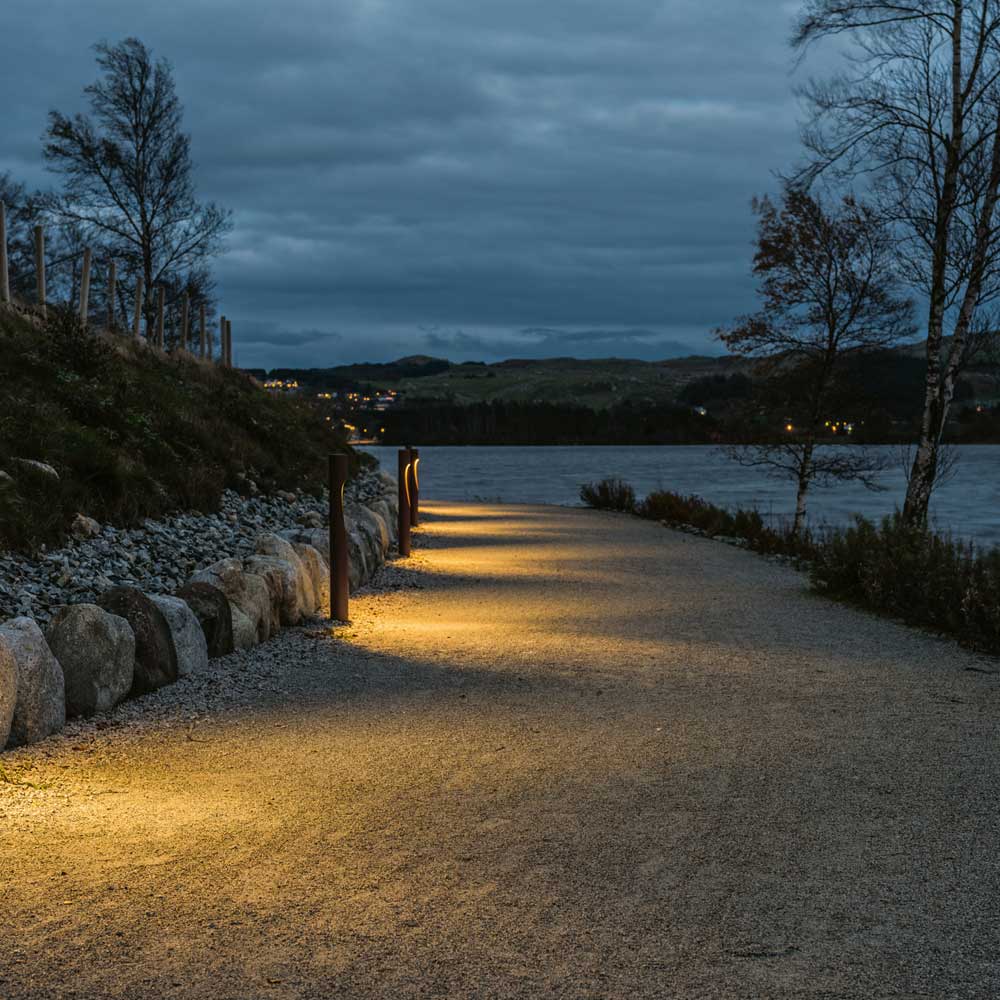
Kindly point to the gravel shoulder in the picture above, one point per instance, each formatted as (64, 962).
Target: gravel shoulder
(557, 753)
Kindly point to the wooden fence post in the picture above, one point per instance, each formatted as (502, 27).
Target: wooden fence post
(137, 321)
(4, 269)
(40, 268)
(185, 314)
(202, 331)
(160, 303)
(222, 340)
(112, 292)
(85, 288)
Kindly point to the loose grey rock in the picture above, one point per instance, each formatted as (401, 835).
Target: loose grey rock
(189, 639)
(40, 706)
(84, 527)
(43, 467)
(96, 651)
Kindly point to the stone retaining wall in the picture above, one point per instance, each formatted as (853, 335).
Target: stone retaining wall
(127, 643)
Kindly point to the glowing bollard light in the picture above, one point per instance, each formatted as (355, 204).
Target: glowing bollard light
(414, 487)
(339, 556)
(403, 477)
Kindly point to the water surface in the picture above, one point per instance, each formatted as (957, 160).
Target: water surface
(968, 505)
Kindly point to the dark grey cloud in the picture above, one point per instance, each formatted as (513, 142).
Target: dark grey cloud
(490, 168)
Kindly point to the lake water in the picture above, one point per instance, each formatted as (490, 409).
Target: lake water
(968, 505)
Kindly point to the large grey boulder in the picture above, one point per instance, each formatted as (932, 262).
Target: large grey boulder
(270, 544)
(245, 633)
(185, 629)
(319, 574)
(390, 518)
(246, 592)
(215, 615)
(40, 703)
(357, 544)
(282, 580)
(8, 691)
(363, 534)
(96, 651)
(266, 613)
(155, 655)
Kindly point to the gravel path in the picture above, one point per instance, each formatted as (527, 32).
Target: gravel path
(566, 754)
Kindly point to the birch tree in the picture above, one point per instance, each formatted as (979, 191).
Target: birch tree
(128, 172)
(918, 112)
(829, 295)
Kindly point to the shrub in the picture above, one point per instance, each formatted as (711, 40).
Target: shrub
(923, 578)
(609, 494)
(694, 512)
(916, 575)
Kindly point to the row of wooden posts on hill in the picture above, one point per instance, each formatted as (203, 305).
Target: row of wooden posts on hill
(204, 342)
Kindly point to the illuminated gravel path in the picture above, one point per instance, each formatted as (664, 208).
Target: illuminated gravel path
(582, 756)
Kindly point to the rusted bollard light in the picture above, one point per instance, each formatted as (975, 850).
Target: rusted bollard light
(403, 476)
(414, 487)
(339, 556)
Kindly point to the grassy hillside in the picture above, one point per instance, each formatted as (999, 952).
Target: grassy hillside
(598, 383)
(133, 433)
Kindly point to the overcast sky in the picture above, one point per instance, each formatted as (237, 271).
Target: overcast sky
(474, 179)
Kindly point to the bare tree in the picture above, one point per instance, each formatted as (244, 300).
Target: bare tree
(128, 172)
(919, 114)
(829, 294)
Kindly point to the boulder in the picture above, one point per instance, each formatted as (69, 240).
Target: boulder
(43, 468)
(282, 580)
(244, 630)
(357, 545)
(375, 528)
(245, 591)
(265, 612)
(319, 574)
(390, 518)
(40, 704)
(311, 519)
(215, 616)
(8, 691)
(185, 629)
(96, 651)
(84, 527)
(363, 524)
(270, 544)
(155, 655)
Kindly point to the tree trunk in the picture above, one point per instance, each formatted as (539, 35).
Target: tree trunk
(924, 470)
(805, 475)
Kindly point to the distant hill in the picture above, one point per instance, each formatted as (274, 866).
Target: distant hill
(598, 383)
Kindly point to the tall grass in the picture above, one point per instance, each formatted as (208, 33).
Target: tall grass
(133, 433)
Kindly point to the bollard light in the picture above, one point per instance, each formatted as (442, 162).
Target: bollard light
(414, 487)
(403, 477)
(339, 556)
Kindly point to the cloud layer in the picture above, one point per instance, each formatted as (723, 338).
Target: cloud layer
(476, 179)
